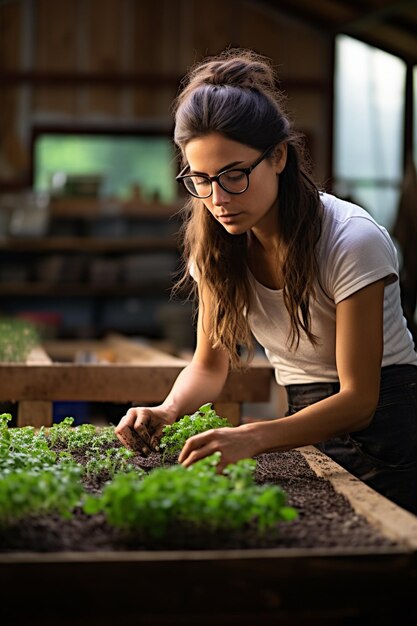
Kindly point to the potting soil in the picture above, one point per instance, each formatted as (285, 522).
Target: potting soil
(325, 520)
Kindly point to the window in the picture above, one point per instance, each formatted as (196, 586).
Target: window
(114, 165)
(369, 121)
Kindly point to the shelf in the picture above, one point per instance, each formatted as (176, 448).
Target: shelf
(84, 289)
(87, 244)
(101, 257)
(94, 208)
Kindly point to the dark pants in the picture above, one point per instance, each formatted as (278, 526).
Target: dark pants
(383, 455)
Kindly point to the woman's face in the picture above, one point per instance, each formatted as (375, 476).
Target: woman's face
(255, 208)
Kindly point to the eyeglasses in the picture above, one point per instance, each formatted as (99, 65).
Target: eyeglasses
(233, 181)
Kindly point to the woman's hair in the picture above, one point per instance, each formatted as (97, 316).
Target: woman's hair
(236, 94)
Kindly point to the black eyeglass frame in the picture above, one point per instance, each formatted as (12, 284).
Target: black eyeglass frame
(216, 179)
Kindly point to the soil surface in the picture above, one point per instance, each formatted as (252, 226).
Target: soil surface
(326, 519)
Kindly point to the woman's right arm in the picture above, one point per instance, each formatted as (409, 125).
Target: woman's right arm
(199, 382)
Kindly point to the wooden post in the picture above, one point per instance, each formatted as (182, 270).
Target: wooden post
(35, 413)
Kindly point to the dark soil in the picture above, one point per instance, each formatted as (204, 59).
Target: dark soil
(326, 519)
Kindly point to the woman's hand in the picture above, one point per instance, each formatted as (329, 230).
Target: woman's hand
(233, 444)
(141, 428)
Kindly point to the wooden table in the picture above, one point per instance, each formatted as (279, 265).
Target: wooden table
(128, 372)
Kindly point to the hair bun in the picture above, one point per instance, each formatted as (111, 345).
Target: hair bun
(237, 68)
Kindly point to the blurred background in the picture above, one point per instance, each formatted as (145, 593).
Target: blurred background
(88, 200)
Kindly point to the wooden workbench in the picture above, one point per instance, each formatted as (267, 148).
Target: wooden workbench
(123, 371)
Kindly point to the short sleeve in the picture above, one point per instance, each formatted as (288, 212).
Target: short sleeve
(359, 252)
(193, 271)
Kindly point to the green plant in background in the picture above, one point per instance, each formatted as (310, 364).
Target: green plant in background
(17, 338)
(175, 435)
(196, 495)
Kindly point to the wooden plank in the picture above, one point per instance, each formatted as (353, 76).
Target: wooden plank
(14, 159)
(152, 53)
(213, 26)
(128, 351)
(250, 589)
(10, 35)
(126, 371)
(393, 521)
(55, 51)
(118, 348)
(104, 52)
(69, 349)
(117, 382)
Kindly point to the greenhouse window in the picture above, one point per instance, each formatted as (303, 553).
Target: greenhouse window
(369, 124)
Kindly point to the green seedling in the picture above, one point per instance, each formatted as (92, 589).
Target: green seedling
(175, 435)
(196, 495)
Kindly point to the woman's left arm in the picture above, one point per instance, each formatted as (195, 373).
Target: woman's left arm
(359, 348)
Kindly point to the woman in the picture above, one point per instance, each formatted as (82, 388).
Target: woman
(313, 278)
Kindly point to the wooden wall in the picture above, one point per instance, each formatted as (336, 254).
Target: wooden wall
(120, 61)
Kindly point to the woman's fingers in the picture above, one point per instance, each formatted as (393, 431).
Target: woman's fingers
(199, 453)
(156, 437)
(197, 447)
(143, 434)
(133, 433)
(230, 442)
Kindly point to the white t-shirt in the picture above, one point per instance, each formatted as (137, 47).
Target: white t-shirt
(353, 252)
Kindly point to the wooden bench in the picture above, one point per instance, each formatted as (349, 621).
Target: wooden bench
(123, 371)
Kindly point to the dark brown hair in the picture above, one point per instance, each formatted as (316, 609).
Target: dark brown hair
(236, 94)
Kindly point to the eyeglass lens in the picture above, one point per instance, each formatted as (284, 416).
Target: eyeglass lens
(233, 181)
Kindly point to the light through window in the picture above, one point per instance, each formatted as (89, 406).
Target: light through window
(369, 118)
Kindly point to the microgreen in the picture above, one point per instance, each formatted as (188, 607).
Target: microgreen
(175, 435)
(56, 489)
(196, 495)
(39, 474)
(111, 462)
(86, 436)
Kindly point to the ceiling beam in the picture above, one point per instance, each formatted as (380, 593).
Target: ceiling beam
(373, 14)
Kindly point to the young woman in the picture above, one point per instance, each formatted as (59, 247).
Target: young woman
(314, 279)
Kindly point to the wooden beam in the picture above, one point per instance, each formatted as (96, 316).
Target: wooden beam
(89, 79)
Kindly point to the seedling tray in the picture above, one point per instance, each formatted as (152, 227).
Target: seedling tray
(263, 586)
